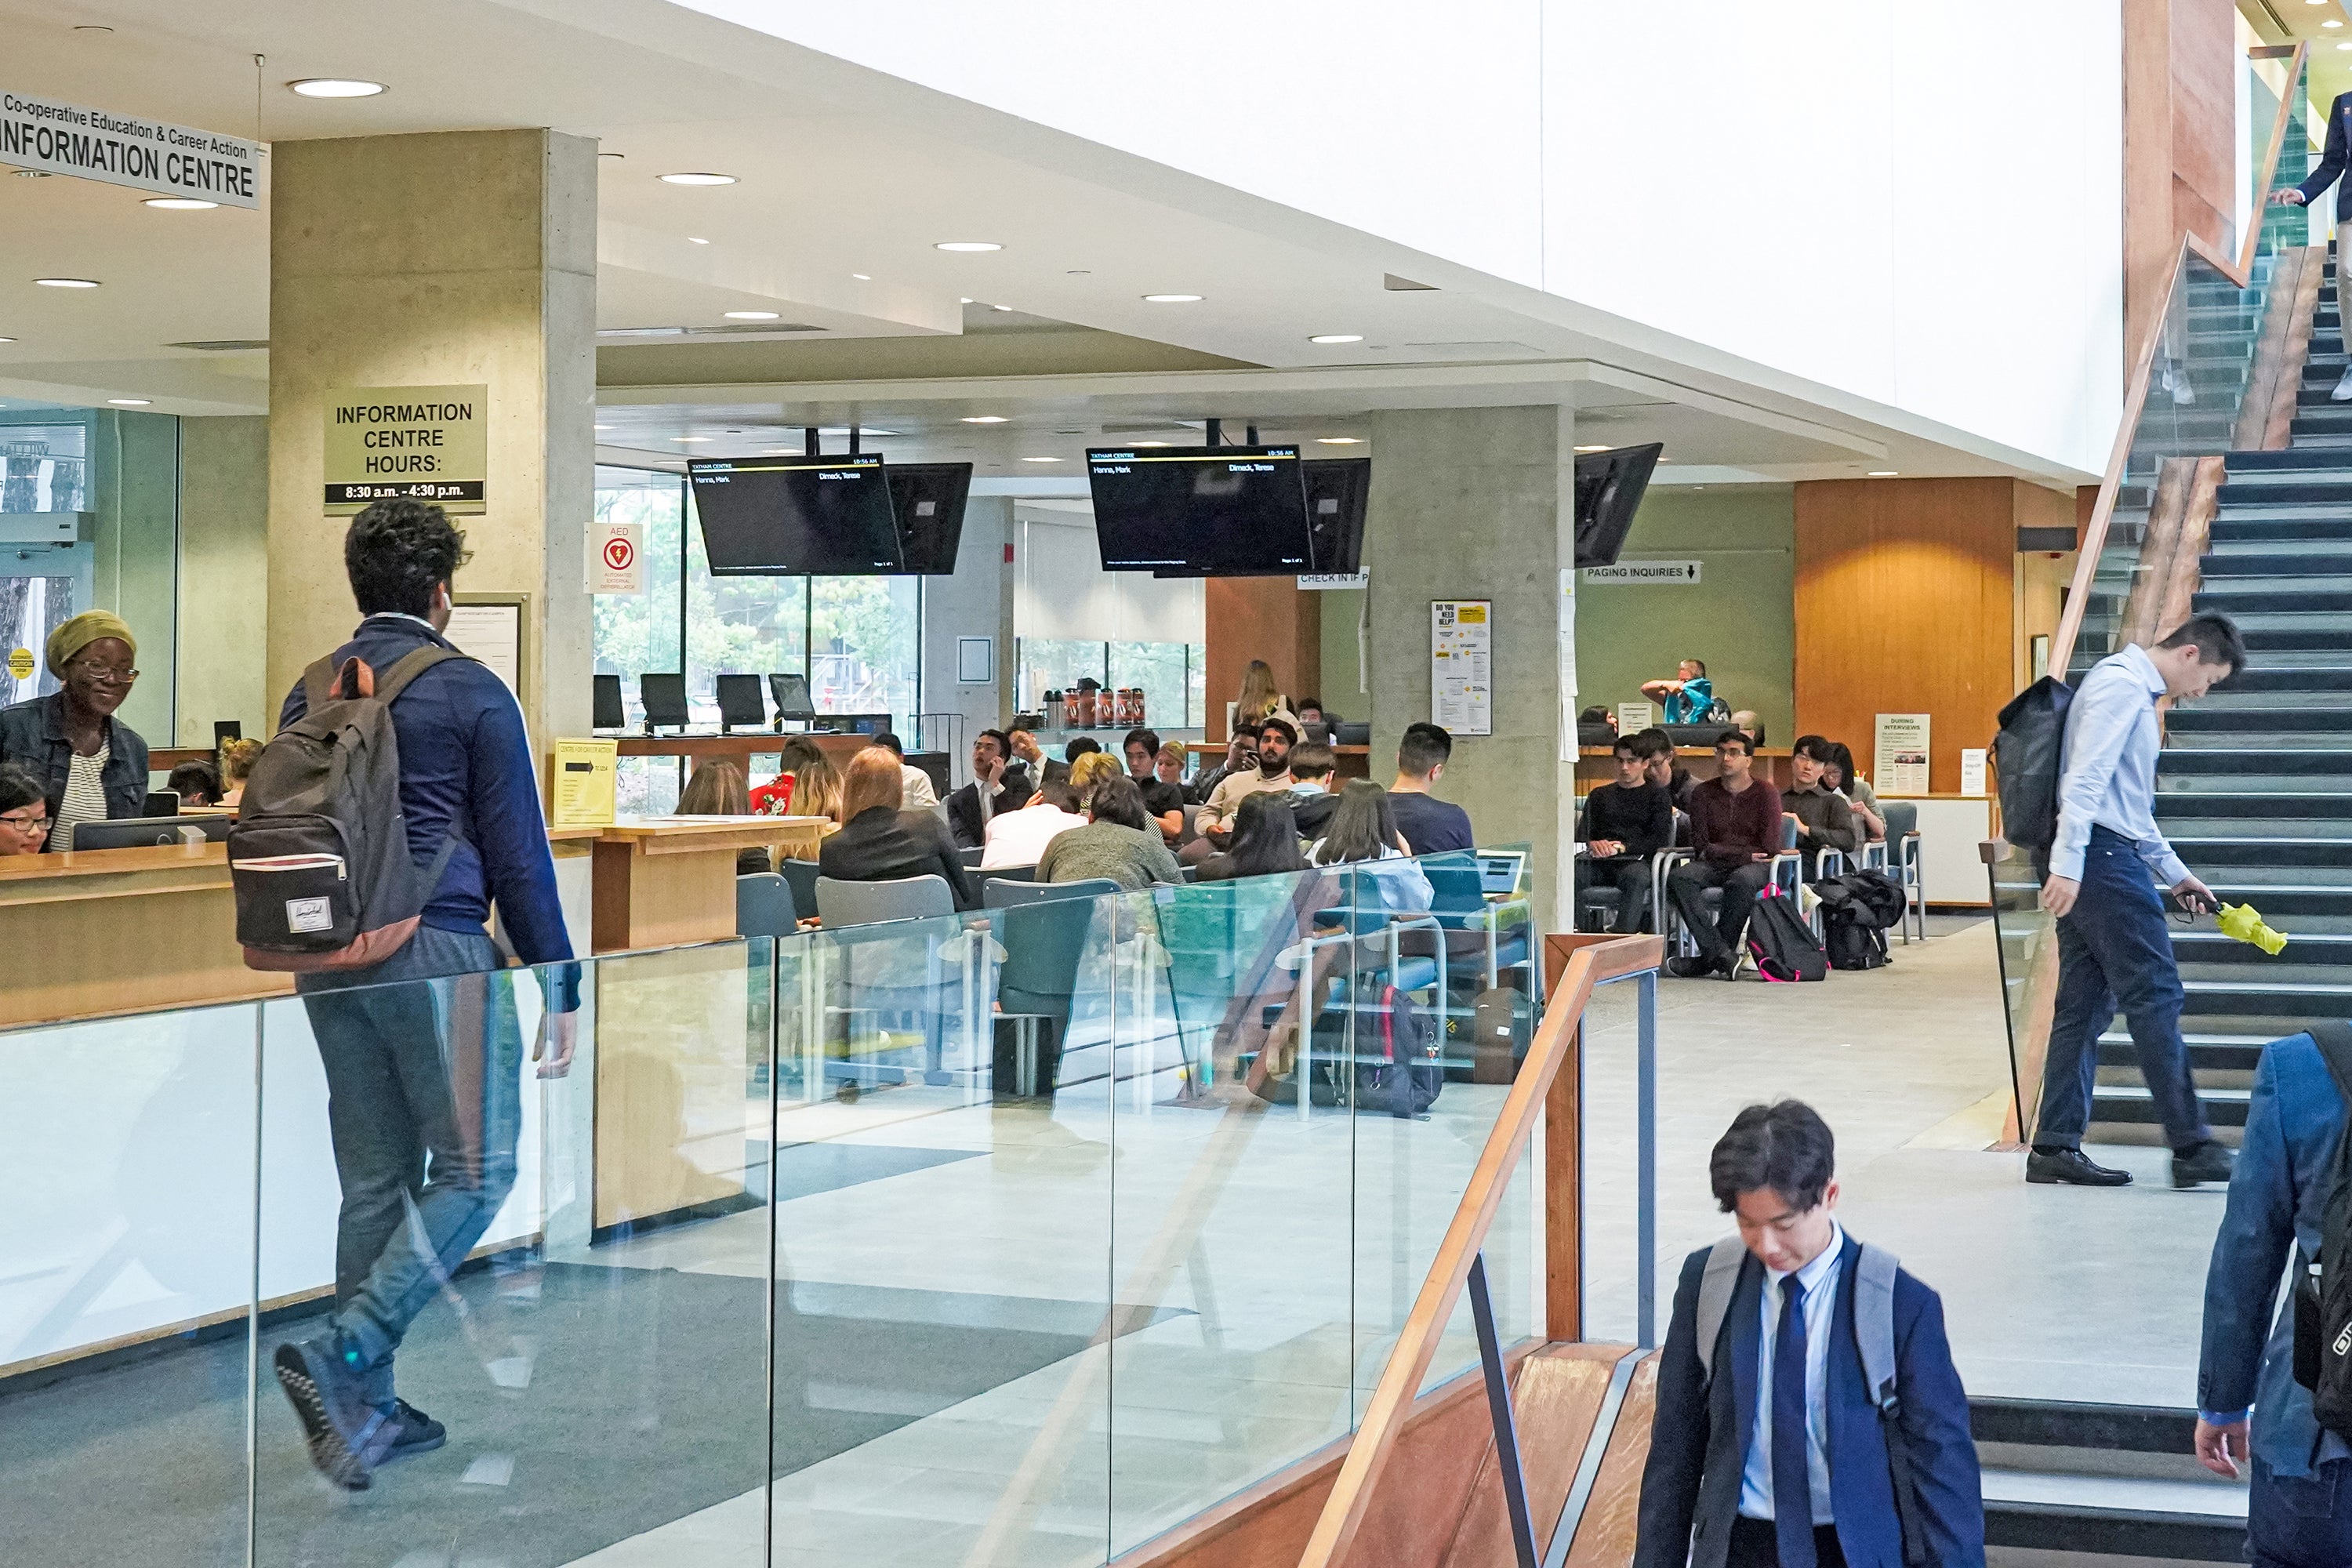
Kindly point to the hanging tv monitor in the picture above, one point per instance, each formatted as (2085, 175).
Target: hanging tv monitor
(1336, 491)
(1206, 512)
(791, 517)
(929, 499)
(1608, 486)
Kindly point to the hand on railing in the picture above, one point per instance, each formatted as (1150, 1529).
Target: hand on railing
(2289, 197)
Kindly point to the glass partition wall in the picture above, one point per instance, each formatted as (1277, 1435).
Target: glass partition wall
(1014, 1236)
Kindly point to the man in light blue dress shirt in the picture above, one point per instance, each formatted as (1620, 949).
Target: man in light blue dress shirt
(2105, 866)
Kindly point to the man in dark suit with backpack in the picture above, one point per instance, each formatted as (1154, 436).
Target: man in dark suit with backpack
(1808, 1412)
(2299, 1509)
(421, 1045)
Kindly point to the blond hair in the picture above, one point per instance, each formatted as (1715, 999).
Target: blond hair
(1091, 770)
(236, 760)
(1259, 697)
(873, 780)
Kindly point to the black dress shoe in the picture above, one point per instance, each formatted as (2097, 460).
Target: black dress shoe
(2073, 1167)
(1692, 968)
(2208, 1162)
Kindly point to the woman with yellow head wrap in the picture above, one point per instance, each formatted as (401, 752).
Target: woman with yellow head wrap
(94, 766)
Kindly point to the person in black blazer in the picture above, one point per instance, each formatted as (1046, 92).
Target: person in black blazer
(2315, 185)
(1008, 783)
(1715, 1486)
(878, 842)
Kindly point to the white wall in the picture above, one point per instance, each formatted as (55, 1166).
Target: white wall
(1918, 203)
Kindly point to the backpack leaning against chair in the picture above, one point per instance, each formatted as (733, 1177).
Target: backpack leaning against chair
(1781, 941)
(319, 857)
(1856, 909)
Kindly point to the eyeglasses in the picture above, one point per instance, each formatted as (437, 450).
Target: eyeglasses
(27, 823)
(109, 675)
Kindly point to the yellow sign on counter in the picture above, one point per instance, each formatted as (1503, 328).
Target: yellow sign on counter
(585, 775)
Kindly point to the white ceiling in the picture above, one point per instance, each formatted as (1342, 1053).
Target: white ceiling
(841, 171)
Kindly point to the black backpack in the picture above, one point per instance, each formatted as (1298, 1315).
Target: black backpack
(1857, 909)
(318, 859)
(2026, 758)
(1781, 941)
(2322, 1288)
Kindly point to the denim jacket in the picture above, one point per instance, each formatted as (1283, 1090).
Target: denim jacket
(33, 735)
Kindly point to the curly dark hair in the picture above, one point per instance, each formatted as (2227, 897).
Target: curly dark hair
(397, 552)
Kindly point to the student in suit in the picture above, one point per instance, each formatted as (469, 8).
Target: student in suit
(1780, 1459)
(2314, 185)
(879, 841)
(998, 785)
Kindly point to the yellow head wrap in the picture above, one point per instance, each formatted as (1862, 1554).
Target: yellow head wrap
(89, 626)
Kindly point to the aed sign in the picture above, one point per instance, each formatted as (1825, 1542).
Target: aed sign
(620, 563)
(124, 150)
(407, 443)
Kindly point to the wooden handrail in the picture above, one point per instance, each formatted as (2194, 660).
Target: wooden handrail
(2237, 269)
(1489, 1181)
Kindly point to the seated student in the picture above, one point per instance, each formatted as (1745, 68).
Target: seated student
(809, 785)
(1090, 770)
(1264, 840)
(1316, 723)
(1839, 776)
(1119, 842)
(23, 811)
(921, 794)
(1241, 756)
(1363, 830)
(716, 788)
(1685, 699)
(1019, 838)
(1598, 714)
(1024, 754)
(1657, 755)
(1430, 825)
(1276, 736)
(1162, 802)
(882, 842)
(1824, 819)
(1080, 746)
(1169, 768)
(1314, 784)
(1735, 832)
(998, 784)
(236, 760)
(1622, 826)
(1747, 719)
(196, 784)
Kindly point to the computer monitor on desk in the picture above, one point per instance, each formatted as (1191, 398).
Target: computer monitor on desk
(663, 697)
(138, 832)
(792, 695)
(609, 714)
(740, 702)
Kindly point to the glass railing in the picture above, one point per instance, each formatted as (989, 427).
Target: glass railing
(1021, 1235)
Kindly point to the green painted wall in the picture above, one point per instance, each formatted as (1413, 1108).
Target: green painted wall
(137, 559)
(1740, 616)
(224, 567)
(1341, 668)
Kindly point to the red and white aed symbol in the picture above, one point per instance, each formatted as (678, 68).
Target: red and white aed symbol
(619, 553)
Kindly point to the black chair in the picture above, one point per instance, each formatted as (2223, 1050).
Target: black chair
(1043, 928)
(802, 877)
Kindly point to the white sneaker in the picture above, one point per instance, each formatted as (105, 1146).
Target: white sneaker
(2343, 393)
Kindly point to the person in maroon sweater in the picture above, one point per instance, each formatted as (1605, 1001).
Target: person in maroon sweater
(1735, 832)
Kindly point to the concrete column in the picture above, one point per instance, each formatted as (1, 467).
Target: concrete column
(448, 258)
(1479, 503)
(976, 602)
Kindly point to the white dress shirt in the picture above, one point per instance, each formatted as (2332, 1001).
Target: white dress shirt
(915, 784)
(1819, 1281)
(2109, 776)
(1019, 838)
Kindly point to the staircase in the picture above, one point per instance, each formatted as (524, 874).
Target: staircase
(2100, 1486)
(2255, 782)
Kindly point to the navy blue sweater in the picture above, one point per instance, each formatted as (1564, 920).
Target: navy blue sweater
(465, 761)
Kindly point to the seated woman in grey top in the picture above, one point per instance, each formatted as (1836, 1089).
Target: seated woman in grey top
(1120, 843)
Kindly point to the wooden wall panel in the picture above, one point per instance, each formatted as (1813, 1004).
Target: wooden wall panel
(1261, 618)
(2179, 155)
(1905, 603)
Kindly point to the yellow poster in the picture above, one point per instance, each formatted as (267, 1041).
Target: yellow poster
(585, 772)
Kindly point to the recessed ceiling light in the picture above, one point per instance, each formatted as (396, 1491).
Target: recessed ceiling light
(1338, 338)
(999, 307)
(1150, 443)
(967, 245)
(2343, 46)
(335, 87)
(7, 339)
(1338, 441)
(752, 315)
(689, 437)
(1592, 449)
(67, 282)
(178, 205)
(696, 239)
(1172, 299)
(862, 430)
(2331, 22)
(1884, 474)
(983, 418)
(695, 179)
(862, 277)
(604, 427)
(1041, 459)
(131, 401)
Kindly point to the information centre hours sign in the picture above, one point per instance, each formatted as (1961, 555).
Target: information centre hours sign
(407, 443)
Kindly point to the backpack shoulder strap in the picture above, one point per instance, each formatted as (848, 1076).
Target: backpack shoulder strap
(412, 664)
(1715, 1289)
(2335, 1041)
(1874, 1322)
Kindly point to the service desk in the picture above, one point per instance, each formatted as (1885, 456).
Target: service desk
(90, 932)
(664, 880)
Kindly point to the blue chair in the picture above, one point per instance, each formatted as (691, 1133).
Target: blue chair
(764, 908)
(877, 973)
(1902, 835)
(1004, 892)
(1043, 928)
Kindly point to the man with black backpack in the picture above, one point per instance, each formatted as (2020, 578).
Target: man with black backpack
(423, 1080)
(1808, 1412)
(2285, 1206)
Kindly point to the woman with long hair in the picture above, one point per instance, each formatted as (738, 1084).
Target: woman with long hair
(1258, 697)
(1264, 841)
(717, 789)
(1362, 831)
(1120, 841)
(881, 842)
(1839, 774)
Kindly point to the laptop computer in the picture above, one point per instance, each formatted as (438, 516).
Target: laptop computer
(1499, 871)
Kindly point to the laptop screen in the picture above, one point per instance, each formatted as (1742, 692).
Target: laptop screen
(1499, 872)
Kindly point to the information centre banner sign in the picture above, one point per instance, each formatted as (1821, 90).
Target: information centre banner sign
(169, 160)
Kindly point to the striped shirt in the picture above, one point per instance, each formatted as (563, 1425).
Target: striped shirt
(85, 797)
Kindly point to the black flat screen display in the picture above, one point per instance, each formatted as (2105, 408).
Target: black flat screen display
(788, 517)
(929, 499)
(1209, 512)
(1608, 486)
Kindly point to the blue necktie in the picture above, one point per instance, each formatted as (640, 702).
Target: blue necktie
(1792, 1481)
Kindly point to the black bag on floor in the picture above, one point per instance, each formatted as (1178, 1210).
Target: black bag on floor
(1781, 941)
(1857, 909)
(2026, 756)
(2323, 1286)
(1502, 1027)
(1406, 1081)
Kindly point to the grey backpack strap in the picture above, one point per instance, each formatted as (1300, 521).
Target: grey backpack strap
(1873, 1337)
(1715, 1289)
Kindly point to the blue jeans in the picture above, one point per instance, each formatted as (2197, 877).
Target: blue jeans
(2295, 1521)
(423, 1061)
(2114, 947)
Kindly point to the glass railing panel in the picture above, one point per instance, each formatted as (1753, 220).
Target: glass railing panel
(561, 1264)
(1230, 1246)
(942, 1296)
(126, 1287)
